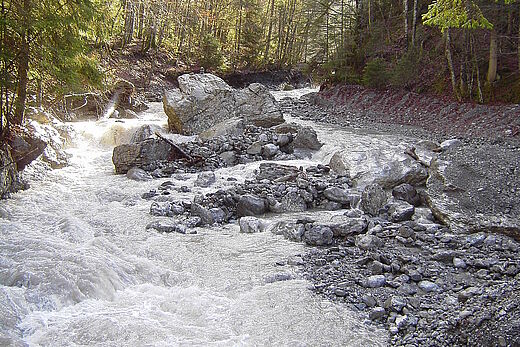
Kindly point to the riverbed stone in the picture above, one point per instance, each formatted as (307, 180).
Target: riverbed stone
(373, 199)
(400, 211)
(408, 193)
(337, 194)
(137, 174)
(318, 236)
(250, 205)
(293, 202)
(375, 281)
(251, 225)
(368, 242)
(270, 150)
(205, 215)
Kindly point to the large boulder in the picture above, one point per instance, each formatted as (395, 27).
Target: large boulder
(373, 160)
(204, 100)
(475, 189)
(142, 155)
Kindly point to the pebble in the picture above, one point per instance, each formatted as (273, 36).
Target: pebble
(375, 281)
(428, 286)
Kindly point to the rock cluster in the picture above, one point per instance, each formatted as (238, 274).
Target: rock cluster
(251, 144)
(276, 188)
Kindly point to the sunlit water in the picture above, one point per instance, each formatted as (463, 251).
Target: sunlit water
(77, 267)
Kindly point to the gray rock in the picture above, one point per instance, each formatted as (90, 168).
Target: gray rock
(428, 286)
(250, 205)
(229, 127)
(284, 139)
(293, 202)
(291, 231)
(338, 165)
(337, 194)
(451, 144)
(193, 222)
(400, 211)
(318, 236)
(349, 226)
(205, 100)
(401, 322)
(405, 231)
(368, 242)
(270, 150)
(255, 148)
(395, 303)
(229, 158)
(369, 300)
(469, 292)
(219, 216)
(407, 192)
(142, 155)
(137, 174)
(377, 313)
(307, 138)
(165, 209)
(169, 227)
(368, 163)
(250, 225)
(205, 179)
(144, 132)
(459, 263)
(375, 281)
(205, 215)
(126, 114)
(373, 199)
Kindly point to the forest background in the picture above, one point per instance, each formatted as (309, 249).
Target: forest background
(462, 49)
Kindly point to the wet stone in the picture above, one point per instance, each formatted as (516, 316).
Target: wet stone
(377, 313)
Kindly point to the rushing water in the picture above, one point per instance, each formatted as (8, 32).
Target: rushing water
(77, 267)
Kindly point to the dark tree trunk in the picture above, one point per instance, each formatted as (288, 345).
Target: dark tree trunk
(23, 66)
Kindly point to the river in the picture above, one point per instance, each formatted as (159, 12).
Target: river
(78, 267)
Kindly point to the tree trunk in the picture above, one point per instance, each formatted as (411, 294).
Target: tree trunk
(327, 35)
(405, 16)
(129, 22)
(269, 33)
(450, 63)
(23, 66)
(492, 66)
(414, 22)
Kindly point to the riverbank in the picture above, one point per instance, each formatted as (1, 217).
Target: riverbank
(436, 287)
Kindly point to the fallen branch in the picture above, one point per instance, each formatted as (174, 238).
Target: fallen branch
(180, 152)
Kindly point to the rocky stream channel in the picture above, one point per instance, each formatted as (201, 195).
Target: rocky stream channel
(265, 224)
